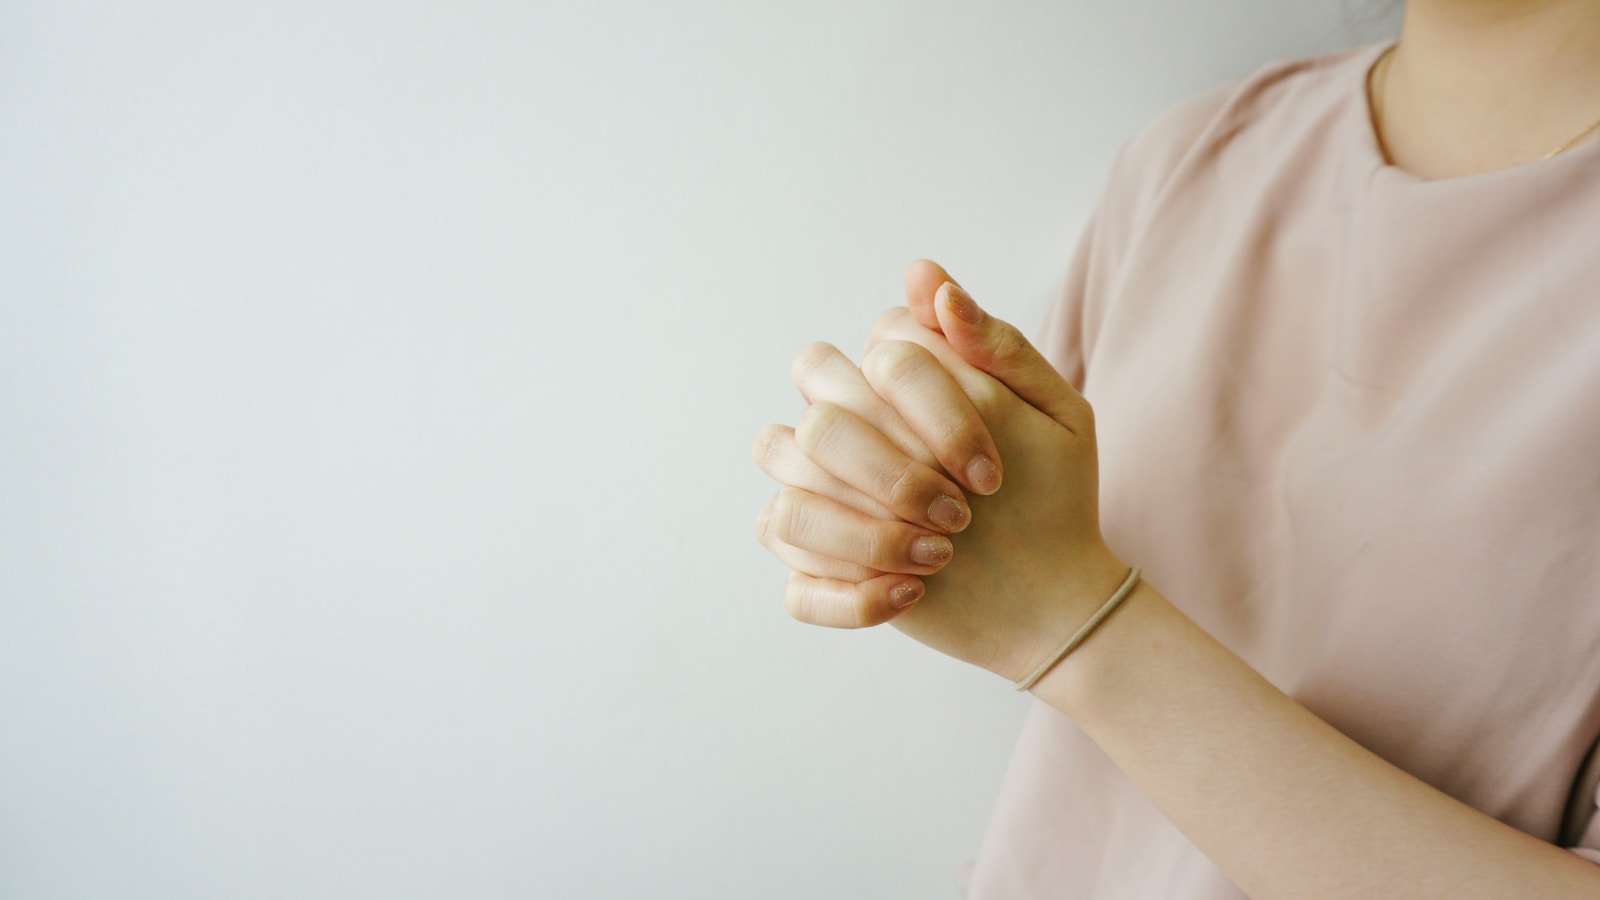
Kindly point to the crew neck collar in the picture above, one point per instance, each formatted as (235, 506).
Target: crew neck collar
(1376, 170)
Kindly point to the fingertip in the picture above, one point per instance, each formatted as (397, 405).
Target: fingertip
(923, 278)
(950, 513)
(956, 311)
(767, 442)
(983, 474)
(955, 299)
(950, 324)
(926, 272)
(905, 594)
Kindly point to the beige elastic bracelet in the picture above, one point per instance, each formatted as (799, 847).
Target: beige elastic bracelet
(1073, 642)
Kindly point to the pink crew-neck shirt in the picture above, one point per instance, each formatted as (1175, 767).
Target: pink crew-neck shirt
(1348, 422)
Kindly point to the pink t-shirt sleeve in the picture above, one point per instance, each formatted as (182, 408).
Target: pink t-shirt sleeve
(1138, 172)
(1061, 337)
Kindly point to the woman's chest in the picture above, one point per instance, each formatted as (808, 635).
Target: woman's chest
(1389, 506)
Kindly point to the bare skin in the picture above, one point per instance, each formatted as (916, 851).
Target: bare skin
(1481, 85)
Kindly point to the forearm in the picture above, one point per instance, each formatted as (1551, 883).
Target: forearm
(1282, 802)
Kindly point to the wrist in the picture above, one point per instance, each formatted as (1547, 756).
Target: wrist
(1109, 661)
(1065, 603)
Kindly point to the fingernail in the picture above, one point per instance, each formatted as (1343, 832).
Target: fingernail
(983, 475)
(961, 304)
(931, 551)
(905, 593)
(948, 513)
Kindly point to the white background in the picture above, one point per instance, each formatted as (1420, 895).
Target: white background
(377, 385)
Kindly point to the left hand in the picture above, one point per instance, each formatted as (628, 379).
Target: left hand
(1032, 564)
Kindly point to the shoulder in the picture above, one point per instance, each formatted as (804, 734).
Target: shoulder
(1275, 101)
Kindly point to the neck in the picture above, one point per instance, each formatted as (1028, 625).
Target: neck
(1480, 85)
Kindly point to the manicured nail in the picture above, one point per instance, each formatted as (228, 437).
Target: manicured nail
(931, 551)
(983, 475)
(961, 304)
(948, 513)
(905, 593)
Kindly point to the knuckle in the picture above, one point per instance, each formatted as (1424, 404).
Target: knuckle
(815, 422)
(796, 602)
(889, 318)
(786, 510)
(811, 358)
(864, 612)
(904, 488)
(883, 549)
(894, 362)
(985, 394)
(1009, 343)
(956, 433)
(807, 601)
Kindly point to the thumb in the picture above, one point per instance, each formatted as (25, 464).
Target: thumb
(923, 279)
(999, 349)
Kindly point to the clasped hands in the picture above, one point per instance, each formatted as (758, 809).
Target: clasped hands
(948, 485)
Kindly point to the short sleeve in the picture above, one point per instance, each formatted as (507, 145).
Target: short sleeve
(1072, 320)
(1061, 337)
(1141, 168)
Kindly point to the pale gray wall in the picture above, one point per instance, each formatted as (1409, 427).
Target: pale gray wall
(377, 382)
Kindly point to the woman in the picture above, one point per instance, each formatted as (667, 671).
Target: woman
(1339, 326)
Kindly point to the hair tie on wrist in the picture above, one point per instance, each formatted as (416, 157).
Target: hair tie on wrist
(1072, 642)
